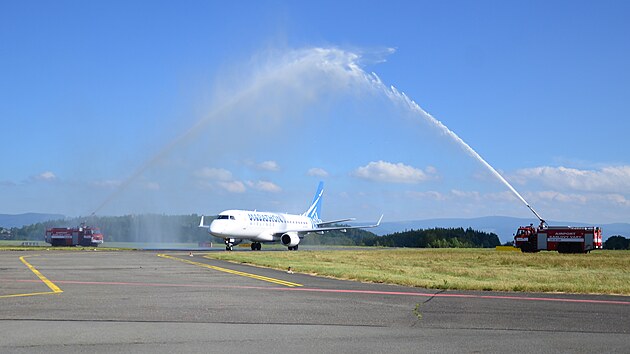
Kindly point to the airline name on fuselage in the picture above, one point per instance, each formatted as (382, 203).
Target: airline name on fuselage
(266, 217)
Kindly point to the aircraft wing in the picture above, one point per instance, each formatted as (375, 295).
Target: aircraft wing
(332, 228)
(333, 221)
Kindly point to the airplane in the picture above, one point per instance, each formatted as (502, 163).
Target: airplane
(235, 226)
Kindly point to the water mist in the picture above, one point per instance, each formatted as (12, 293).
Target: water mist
(308, 72)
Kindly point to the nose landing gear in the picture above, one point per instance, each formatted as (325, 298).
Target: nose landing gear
(229, 243)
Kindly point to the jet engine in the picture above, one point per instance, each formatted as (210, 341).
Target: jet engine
(290, 239)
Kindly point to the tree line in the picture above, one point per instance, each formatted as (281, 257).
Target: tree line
(422, 238)
(617, 243)
(158, 228)
(438, 238)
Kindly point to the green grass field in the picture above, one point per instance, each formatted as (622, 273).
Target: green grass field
(600, 272)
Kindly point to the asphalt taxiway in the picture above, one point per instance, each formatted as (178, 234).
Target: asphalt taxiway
(153, 302)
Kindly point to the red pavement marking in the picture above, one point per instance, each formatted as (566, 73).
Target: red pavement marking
(345, 291)
(469, 296)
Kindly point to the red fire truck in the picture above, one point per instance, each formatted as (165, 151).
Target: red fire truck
(76, 236)
(564, 239)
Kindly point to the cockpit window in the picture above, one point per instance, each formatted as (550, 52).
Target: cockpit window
(226, 217)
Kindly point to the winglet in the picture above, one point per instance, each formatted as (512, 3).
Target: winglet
(379, 220)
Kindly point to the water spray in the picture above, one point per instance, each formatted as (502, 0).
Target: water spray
(181, 139)
(343, 69)
(395, 94)
(323, 62)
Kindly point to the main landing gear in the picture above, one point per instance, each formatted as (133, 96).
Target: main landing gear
(294, 248)
(230, 243)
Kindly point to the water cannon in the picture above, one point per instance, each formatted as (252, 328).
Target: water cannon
(542, 221)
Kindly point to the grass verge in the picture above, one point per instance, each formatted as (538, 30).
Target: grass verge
(600, 272)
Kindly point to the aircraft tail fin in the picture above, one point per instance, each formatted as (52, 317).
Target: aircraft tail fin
(201, 224)
(314, 211)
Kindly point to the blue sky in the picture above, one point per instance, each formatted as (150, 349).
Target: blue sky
(99, 101)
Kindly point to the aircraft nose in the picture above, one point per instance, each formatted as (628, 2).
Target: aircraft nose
(216, 228)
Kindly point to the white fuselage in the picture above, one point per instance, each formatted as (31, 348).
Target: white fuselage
(258, 226)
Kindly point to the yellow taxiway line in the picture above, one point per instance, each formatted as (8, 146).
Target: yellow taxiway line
(235, 272)
(54, 288)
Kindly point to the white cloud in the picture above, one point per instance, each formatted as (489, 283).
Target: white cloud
(580, 198)
(224, 179)
(268, 166)
(455, 194)
(46, 176)
(265, 186)
(383, 171)
(554, 196)
(233, 186)
(617, 199)
(317, 172)
(209, 176)
(217, 174)
(466, 194)
(431, 170)
(611, 179)
(427, 195)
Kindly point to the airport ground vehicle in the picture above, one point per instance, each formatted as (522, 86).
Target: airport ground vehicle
(74, 236)
(564, 239)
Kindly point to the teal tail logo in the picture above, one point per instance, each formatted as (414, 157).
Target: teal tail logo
(315, 210)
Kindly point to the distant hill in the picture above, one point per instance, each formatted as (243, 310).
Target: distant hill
(503, 226)
(19, 220)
